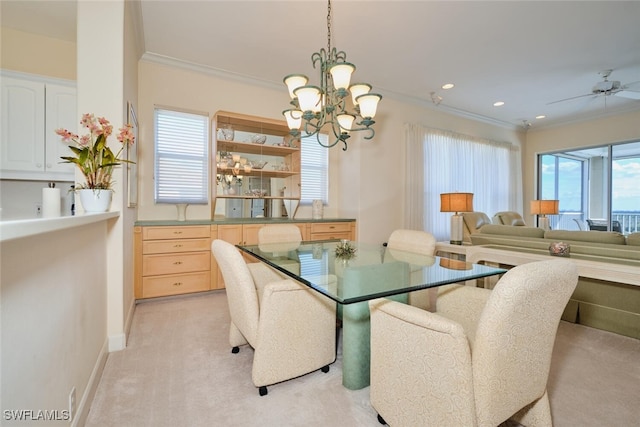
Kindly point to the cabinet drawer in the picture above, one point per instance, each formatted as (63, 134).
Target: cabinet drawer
(175, 284)
(330, 227)
(180, 232)
(175, 263)
(168, 246)
(331, 236)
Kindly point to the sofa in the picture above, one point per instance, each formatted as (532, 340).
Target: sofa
(602, 303)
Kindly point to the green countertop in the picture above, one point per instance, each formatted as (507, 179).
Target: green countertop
(224, 221)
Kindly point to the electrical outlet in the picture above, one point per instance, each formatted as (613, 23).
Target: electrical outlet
(38, 209)
(72, 403)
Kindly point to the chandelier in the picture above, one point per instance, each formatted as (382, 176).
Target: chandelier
(326, 106)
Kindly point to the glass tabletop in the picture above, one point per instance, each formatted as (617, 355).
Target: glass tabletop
(373, 271)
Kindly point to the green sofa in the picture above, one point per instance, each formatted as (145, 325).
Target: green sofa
(603, 304)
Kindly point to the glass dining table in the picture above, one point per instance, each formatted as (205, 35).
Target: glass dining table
(373, 271)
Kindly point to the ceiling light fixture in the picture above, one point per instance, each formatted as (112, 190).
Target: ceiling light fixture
(498, 104)
(448, 86)
(326, 105)
(541, 116)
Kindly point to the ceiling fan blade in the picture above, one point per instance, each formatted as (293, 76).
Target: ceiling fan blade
(569, 99)
(629, 94)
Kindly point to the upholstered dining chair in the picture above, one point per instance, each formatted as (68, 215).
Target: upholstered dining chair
(422, 244)
(481, 359)
(289, 326)
(280, 240)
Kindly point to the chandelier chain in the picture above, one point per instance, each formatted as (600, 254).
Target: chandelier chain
(329, 26)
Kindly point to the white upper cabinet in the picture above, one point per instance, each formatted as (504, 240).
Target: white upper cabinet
(60, 112)
(31, 111)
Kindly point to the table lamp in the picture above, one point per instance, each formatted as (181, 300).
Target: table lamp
(544, 208)
(456, 202)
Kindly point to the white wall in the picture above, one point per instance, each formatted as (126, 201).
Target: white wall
(366, 182)
(67, 296)
(53, 317)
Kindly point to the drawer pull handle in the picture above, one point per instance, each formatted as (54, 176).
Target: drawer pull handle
(177, 246)
(332, 227)
(177, 284)
(177, 232)
(177, 263)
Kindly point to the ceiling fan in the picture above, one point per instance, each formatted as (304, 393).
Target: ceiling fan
(607, 87)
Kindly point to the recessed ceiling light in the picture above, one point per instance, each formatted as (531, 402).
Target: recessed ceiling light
(447, 86)
(498, 104)
(541, 116)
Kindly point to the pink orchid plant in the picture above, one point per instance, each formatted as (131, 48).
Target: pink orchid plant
(94, 158)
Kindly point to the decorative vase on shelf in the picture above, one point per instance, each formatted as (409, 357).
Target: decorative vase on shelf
(95, 200)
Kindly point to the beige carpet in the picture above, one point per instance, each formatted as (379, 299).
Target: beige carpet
(178, 370)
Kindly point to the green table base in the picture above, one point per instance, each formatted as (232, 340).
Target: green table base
(356, 325)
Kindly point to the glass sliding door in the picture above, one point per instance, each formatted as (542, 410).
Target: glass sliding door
(562, 177)
(625, 185)
(598, 187)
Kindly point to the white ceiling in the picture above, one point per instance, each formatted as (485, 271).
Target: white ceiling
(525, 53)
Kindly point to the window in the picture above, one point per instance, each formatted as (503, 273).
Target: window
(599, 184)
(563, 178)
(181, 163)
(314, 164)
(446, 162)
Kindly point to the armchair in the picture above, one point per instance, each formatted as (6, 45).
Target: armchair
(472, 221)
(508, 218)
(290, 327)
(481, 359)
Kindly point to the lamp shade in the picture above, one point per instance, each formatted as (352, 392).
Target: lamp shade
(294, 118)
(294, 81)
(341, 74)
(358, 89)
(545, 207)
(346, 122)
(456, 202)
(309, 98)
(368, 104)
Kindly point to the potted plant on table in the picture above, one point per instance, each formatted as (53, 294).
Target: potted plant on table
(95, 160)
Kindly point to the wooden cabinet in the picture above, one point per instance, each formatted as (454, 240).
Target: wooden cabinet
(332, 230)
(254, 179)
(172, 260)
(32, 110)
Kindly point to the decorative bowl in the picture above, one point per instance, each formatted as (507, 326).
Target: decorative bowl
(257, 165)
(259, 139)
(227, 133)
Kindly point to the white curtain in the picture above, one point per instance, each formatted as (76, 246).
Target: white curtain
(446, 162)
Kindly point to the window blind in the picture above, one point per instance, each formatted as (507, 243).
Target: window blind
(314, 162)
(181, 155)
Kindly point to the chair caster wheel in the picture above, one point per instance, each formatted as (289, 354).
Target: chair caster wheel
(235, 350)
(263, 391)
(325, 369)
(381, 420)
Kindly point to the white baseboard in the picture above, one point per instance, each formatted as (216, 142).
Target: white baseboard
(84, 405)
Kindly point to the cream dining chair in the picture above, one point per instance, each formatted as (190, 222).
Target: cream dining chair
(481, 359)
(290, 327)
(423, 245)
